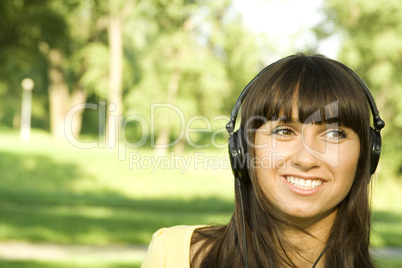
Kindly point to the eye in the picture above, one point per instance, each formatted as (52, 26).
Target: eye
(284, 131)
(335, 134)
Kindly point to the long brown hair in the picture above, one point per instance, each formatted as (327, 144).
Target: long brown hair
(311, 82)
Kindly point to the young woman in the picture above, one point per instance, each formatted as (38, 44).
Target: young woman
(302, 160)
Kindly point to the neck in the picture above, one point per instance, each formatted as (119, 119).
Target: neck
(307, 246)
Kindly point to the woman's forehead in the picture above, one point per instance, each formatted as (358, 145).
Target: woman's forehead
(326, 113)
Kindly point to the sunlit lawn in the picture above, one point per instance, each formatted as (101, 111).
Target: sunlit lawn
(55, 192)
(68, 264)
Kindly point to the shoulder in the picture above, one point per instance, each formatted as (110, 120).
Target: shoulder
(182, 230)
(170, 247)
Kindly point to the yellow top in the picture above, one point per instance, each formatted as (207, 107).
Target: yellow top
(170, 248)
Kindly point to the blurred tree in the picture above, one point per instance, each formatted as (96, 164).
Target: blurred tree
(190, 54)
(22, 24)
(45, 40)
(118, 12)
(75, 72)
(371, 32)
(195, 56)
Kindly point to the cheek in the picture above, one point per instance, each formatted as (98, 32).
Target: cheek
(267, 164)
(269, 154)
(264, 164)
(349, 157)
(267, 184)
(346, 169)
(268, 161)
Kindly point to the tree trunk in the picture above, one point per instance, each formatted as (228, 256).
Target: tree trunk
(58, 94)
(60, 100)
(164, 133)
(78, 96)
(115, 108)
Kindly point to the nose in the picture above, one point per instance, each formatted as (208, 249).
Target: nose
(304, 157)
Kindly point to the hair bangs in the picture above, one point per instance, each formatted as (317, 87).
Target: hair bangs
(330, 95)
(273, 96)
(312, 90)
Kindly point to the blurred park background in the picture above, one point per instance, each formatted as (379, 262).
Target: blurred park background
(108, 83)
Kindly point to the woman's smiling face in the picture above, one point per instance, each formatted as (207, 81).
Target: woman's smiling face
(305, 170)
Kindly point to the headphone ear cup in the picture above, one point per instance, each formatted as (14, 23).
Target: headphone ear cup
(237, 153)
(375, 146)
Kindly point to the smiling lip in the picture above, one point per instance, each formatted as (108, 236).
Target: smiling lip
(302, 185)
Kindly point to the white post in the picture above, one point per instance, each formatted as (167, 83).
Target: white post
(27, 86)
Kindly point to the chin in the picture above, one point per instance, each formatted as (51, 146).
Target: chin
(305, 218)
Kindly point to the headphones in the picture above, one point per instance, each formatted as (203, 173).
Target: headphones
(237, 142)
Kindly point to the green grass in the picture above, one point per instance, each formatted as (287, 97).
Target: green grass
(389, 263)
(54, 192)
(387, 213)
(67, 264)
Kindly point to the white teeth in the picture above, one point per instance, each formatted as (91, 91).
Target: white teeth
(302, 183)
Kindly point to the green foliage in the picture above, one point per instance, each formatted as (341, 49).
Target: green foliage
(197, 57)
(185, 53)
(92, 62)
(29, 30)
(18, 50)
(371, 46)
